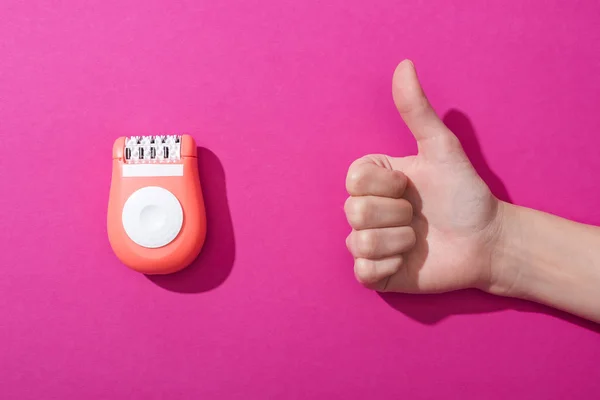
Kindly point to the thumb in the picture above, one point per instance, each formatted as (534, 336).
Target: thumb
(434, 139)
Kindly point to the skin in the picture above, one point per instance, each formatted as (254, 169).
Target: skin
(429, 224)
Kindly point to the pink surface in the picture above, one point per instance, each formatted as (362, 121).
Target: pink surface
(282, 96)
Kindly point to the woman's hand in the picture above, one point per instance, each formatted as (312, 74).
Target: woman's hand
(424, 223)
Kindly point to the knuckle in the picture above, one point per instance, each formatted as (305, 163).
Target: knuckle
(349, 242)
(367, 243)
(348, 206)
(364, 270)
(355, 180)
(357, 212)
(352, 244)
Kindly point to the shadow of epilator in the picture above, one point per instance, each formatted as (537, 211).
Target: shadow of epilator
(215, 262)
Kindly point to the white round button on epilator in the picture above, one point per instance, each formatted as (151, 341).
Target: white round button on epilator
(152, 217)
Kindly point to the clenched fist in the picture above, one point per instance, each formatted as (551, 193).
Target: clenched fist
(424, 223)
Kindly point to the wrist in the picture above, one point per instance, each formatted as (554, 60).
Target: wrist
(506, 265)
(535, 252)
(546, 259)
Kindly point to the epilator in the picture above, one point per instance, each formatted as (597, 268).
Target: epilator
(156, 215)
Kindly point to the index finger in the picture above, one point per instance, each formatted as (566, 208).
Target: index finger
(369, 179)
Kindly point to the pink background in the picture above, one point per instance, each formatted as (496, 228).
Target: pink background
(282, 96)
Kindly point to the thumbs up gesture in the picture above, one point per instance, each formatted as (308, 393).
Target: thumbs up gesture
(425, 223)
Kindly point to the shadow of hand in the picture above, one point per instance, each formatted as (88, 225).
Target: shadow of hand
(433, 308)
(462, 127)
